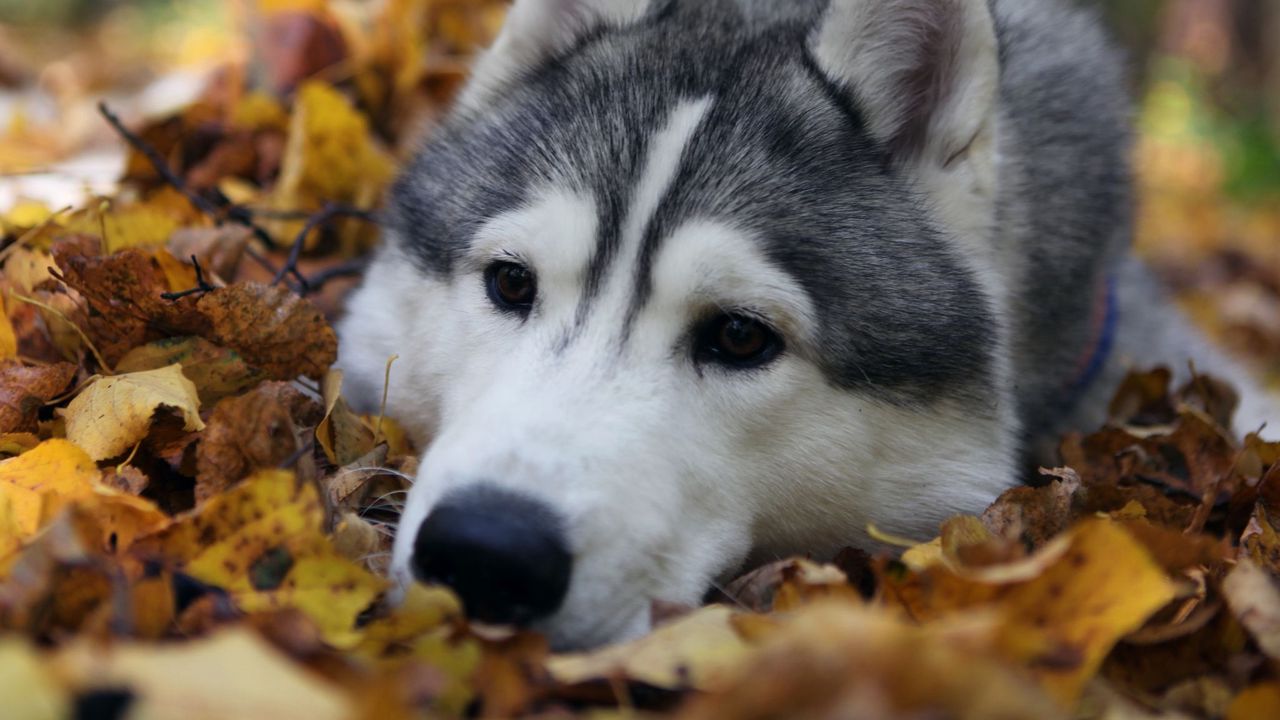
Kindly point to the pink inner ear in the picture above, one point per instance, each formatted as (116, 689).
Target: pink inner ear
(905, 61)
(928, 76)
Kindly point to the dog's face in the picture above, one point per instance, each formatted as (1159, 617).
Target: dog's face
(667, 295)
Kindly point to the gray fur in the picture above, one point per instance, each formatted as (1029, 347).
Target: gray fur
(784, 153)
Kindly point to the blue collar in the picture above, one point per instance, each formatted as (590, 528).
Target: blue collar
(1103, 343)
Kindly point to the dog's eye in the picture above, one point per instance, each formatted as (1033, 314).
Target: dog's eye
(511, 286)
(738, 341)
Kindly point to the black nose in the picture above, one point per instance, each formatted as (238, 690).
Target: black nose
(503, 553)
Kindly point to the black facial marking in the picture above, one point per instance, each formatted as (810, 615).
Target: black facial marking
(782, 154)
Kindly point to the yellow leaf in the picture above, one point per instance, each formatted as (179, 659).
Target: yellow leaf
(329, 155)
(39, 482)
(342, 434)
(263, 542)
(1061, 610)
(138, 225)
(8, 338)
(113, 414)
(1259, 701)
(697, 651)
(840, 660)
(27, 268)
(29, 688)
(232, 674)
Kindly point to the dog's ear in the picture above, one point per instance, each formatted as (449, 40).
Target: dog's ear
(924, 73)
(538, 30)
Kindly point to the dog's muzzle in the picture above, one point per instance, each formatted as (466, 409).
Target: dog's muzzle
(503, 553)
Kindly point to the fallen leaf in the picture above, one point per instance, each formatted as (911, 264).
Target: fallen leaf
(171, 681)
(258, 430)
(272, 328)
(1254, 703)
(342, 434)
(1254, 598)
(30, 689)
(699, 651)
(1061, 609)
(25, 389)
(835, 659)
(217, 372)
(263, 542)
(39, 482)
(113, 414)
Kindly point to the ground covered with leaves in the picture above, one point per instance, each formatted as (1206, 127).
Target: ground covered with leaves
(195, 524)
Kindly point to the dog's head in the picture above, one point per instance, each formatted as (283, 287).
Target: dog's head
(679, 284)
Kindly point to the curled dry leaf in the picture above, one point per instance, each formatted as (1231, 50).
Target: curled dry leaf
(342, 434)
(261, 429)
(113, 414)
(1061, 609)
(24, 389)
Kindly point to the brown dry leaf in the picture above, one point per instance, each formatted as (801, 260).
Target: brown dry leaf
(263, 542)
(1035, 515)
(836, 659)
(1061, 610)
(272, 328)
(1254, 598)
(124, 291)
(698, 651)
(260, 429)
(217, 249)
(1255, 703)
(253, 680)
(113, 414)
(25, 389)
(217, 372)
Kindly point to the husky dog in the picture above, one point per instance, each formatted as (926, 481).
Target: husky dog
(686, 283)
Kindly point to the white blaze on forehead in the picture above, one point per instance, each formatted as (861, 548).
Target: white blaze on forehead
(666, 149)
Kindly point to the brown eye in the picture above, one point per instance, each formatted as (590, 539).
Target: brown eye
(738, 341)
(511, 286)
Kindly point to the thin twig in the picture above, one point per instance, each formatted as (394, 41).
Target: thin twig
(329, 212)
(353, 268)
(227, 212)
(202, 285)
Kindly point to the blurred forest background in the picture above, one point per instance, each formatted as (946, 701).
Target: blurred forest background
(1206, 74)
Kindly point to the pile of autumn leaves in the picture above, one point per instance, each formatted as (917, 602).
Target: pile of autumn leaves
(192, 521)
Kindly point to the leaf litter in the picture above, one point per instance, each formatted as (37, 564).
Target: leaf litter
(194, 522)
